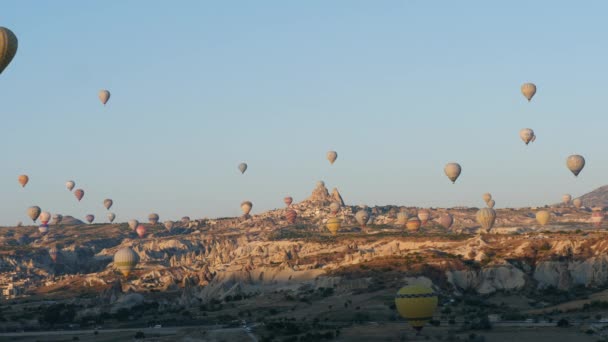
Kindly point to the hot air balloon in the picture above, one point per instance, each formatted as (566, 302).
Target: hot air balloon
(53, 253)
(486, 197)
(33, 212)
(452, 170)
(291, 216)
(23, 179)
(288, 200)
(362, 217)
(413, 224)
(446, 220)
(416, 304)
(90, 218)
(141, 231)
(57, 218)
(566, 198)
(597, 217)
(153, 218)
(526, 134)
(133, 224)
(424, 216)
(43, 228)
(125, 260)
(242, 167)
(104, 96)
(402, 218)
(185, 220)
(168, 225)
(575, 164)
(528, 90)
(334, 207)
(8, 47)
(533, 138)
(45, 217)
(111, 217)
(542, 217)
(79, 193)
(486, 217)
(107, 203)
(333, 224)
(246, 207)
(70, 185)
(332, 156)
(578, 203)
(491, 203)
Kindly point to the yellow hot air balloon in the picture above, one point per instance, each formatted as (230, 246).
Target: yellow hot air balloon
(416, 304)
(402, 218)
(333, 224)
(413, 224)
(452, 170)
(578, 203)
(528, 90)
(8, 47)
(527, 135)
(23, 179)
(486, 217)
(332, 156)
(543, 217)
(246, 207)
(491, 203)
(486, 197)
(575, 164)
(566, 198)
(104, 96)
(125, 260)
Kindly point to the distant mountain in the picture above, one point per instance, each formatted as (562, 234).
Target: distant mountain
(596, 198)
(70, 221)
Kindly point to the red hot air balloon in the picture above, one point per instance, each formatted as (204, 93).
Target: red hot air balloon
(141, 231)
(288, 200)
(79, 193)
(291, 216)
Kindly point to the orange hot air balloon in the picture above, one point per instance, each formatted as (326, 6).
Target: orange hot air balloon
(23, 179)
(291, 216)
(288, 200)
(79, 193)
(413, 224)
(141, 231)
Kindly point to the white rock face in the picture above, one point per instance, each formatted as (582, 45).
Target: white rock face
(488, 280)
(564, 275)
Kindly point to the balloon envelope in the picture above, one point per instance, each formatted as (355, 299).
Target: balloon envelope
(334, 207)
(243, 167)
(53, 252)
(33, 212)
(333, 224)
(107, 203)
(424, 216)
(528, 90)
(133, 224)
(45, 217)
(402, 218)
(141, 231)
(90, 218)
(79, 193)
(578, 203)
(542, 217)
(486, 197)
(526, 134)
(566, 199)
(452, 170)
(246, 207)
(332, 156)
(125, 260)
(575, 163)
(288, 200)
(291, 216)
(43, 228)
(70, 185)
(491, 203)
(413, 224)
(362, 217)
(111, 217)
(168, 225)
(23, 179)
(486, 217)
(57, 218)
(446, 220)
(153, 218)
(104, 96)
(8, 47)
(416, 304)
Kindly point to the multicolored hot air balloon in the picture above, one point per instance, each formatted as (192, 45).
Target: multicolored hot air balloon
(486, 217)
(57, 218)
(107, 203)
(104, 96)
(333, 224)
(566, 198)
(486, 197)
(23, 179)
(45, 217)
(413, 224)
(79, 193)
(168, 225)
(526, 134)
(452, 170)
(90, 218)
(528, 90)
(424, 216)
(242, 167)
(543, 217)
(416, 304)
(246, 207)
(111, 217)
(133, 224)
(141, 231)
(446, 220)
(288, 200)
(491, 203)
(33, 212)
(578, 203)
(332, 156)
(8, 47)
(43, 229)
(153, 218)
(575, 164)
(125, 260)
(70, 185)
(362, 216)
(334, 208)
(291, 216)
(53, 252)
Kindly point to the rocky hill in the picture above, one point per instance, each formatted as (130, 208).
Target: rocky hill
(596, 198)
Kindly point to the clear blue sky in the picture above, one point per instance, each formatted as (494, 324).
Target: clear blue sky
(398, 88)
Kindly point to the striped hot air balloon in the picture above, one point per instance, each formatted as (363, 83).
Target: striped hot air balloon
(291, 216)
(416, 304)
(333, 224)
(413, 224)
(486, 217)
(125, 260)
